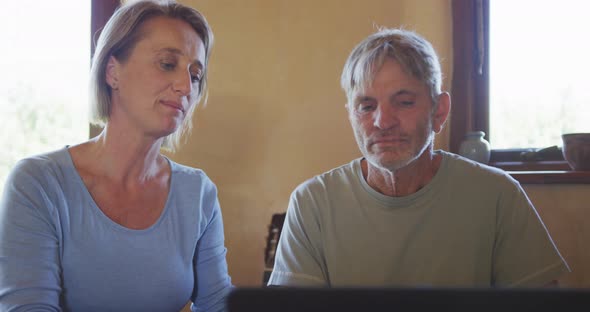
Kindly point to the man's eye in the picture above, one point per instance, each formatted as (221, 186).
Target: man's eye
(407, 103)
(365, 107)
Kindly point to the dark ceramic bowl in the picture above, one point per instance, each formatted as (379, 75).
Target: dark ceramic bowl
(576, 150)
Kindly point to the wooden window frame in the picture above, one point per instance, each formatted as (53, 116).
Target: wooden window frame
(470, 92)
(101, 11)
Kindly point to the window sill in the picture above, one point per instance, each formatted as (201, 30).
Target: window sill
(551, 177)
(543, 172)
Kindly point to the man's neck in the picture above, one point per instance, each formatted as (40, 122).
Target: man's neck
(404, 181)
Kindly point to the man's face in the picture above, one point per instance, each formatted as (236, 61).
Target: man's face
(392, 119)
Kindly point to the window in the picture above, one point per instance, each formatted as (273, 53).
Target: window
(45, 65)
(471, 85)
(539, 69)
(43, 86)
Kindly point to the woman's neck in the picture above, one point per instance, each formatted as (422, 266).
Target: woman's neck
(121, 157)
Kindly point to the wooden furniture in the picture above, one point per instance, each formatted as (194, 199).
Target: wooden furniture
(272, 240)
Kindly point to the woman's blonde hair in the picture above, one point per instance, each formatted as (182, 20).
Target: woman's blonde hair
(118, 38)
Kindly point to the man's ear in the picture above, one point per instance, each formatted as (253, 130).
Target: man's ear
(112, 73)
(348, 110)
(441, 114)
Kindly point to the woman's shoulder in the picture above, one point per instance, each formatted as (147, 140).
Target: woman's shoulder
(188, 175)
(184, 170)
(41, 178)
(191, 185)
(41, 165)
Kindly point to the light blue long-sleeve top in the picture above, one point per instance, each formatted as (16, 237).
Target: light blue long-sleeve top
(59, 252)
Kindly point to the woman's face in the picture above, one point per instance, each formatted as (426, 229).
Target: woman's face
(155, 86)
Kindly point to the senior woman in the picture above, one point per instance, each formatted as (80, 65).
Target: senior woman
(111, 224)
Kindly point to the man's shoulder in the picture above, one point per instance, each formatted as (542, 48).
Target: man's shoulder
(466, 169)
(340, 176)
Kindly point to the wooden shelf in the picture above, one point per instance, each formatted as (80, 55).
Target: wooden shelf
(532, 165)
(551, 177)
(543, 172)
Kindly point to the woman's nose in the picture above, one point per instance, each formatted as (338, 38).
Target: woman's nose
(183, 83)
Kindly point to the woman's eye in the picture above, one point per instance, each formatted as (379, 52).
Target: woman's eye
(195, 78)
(167, 65)
(407, 103)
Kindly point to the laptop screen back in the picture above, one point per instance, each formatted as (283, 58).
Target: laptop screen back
(408, 299)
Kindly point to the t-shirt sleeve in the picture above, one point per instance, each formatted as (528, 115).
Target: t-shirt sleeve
(299, 259)
(524, 253)
(29, 262)
(212, 281)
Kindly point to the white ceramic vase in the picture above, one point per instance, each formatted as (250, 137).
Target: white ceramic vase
(475, 147)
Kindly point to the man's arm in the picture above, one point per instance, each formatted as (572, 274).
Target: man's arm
(299, 257)
(524, 253)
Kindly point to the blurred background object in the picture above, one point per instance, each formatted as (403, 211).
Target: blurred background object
(576, 150)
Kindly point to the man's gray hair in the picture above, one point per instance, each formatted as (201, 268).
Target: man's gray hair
(415, 55)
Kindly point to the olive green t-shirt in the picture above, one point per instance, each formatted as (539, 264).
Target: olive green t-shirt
(471, 225)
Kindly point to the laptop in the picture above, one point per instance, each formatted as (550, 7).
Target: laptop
(273, 299)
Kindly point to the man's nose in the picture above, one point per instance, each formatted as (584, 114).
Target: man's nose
(385, 117)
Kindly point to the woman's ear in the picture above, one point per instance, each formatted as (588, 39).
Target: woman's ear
(112, 73)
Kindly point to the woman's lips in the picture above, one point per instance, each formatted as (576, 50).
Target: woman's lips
(174, 105)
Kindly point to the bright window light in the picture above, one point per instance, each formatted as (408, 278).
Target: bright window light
(539, 71)
(43, 86)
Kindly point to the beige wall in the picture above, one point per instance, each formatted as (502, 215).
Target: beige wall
(276, 115)
(566, 212)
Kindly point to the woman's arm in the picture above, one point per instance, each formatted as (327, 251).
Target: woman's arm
(212, 282)
(30, 274)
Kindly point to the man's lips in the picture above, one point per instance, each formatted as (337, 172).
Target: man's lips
(174, 105)
(387, 141)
